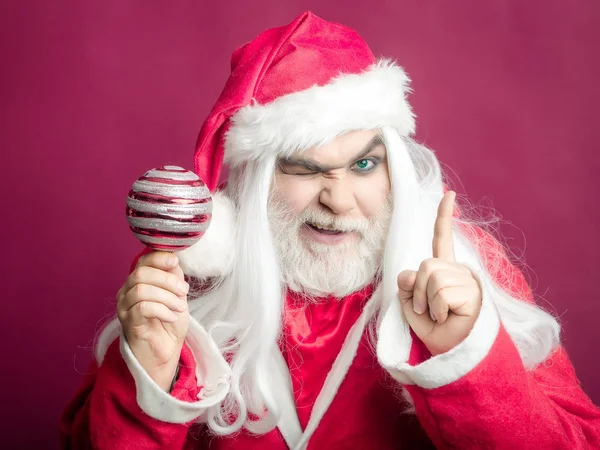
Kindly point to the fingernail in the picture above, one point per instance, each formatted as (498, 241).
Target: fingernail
(418, 309)
(432, 315)
(183, 287)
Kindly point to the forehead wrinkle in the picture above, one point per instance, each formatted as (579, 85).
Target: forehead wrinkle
(313, 165)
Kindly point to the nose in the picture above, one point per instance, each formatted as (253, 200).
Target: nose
(337, 195)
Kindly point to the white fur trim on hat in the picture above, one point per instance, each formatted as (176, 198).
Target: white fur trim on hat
(315, 116)
(213, 254)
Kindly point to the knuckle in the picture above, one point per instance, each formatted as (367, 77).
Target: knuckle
(428, 265)
(137, 275)
(139, 290)
(120, 302)
(143, 260)
(442, 296)
(121, 315)
(436, 277)
(141, 307)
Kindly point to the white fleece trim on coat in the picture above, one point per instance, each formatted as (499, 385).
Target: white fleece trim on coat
(289, 424)
(314, 116)
(111, 331)
(212, 372)
(213, 254)
(440, 370)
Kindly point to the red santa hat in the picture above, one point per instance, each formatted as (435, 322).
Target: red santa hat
(291, 88)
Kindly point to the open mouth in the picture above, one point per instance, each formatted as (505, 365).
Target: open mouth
(323, 229)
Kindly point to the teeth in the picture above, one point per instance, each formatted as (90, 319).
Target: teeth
(324, 227)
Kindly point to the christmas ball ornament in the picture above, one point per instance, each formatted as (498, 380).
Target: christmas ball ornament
(169, 208)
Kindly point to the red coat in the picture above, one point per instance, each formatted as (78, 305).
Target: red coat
(498, 404)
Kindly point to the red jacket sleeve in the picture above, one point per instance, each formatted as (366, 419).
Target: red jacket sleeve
(104, 413)
(501, 404)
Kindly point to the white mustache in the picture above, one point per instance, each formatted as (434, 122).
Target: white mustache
(340, 223)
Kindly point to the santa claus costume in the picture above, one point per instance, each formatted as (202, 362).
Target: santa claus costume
(266, 370)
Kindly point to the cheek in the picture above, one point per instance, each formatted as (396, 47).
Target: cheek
(373, 193)
(297, 193)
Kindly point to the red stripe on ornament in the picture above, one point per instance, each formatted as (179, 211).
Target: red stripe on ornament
(180, 170)
(198, 218)
(168, 248)
(191, 183)
(157, 198)
(164, 234)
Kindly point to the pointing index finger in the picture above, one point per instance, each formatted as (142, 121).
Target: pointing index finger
(443, 245)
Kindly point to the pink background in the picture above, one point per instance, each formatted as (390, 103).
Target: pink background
(95, 93)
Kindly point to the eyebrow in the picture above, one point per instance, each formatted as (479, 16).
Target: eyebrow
(313, 166)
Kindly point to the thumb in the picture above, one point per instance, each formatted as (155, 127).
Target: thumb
(406, 284)
(176, 270)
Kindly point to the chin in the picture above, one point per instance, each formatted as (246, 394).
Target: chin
(322, 270)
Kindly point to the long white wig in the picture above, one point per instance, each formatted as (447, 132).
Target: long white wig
(243, 312)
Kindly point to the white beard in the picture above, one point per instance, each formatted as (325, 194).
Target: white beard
(317, 269)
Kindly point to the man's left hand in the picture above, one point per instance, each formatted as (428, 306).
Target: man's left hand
(442, 300)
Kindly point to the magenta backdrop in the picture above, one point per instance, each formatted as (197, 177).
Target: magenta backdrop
(95, 93)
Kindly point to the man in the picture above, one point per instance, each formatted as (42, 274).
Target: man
(344, 303)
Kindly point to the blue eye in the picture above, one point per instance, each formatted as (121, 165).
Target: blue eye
(365, 165)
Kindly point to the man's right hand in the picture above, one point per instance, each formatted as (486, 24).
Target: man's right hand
(153, 310)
